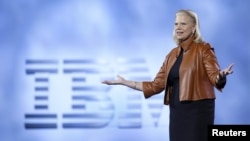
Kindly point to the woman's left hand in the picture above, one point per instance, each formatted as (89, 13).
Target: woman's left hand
(227, 70)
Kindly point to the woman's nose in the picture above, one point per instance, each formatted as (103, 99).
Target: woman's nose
(178, 27)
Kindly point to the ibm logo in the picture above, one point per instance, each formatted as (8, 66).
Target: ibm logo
(75, 85)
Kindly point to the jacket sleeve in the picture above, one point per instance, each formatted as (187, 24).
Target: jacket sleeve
(158, 84)
(212, 67)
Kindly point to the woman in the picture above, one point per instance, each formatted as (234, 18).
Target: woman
(189, 74)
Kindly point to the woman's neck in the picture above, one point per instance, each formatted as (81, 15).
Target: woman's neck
(190, 35)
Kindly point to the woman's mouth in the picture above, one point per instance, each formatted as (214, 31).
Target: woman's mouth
(178, 33)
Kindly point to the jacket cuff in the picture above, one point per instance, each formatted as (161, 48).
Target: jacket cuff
(221, 82)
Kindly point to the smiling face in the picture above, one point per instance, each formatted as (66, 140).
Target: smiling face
(184, 26)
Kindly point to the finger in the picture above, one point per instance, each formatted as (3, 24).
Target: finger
(224, 72)
(105, 82)
(119, 77)
(228, 72)
(230, 66)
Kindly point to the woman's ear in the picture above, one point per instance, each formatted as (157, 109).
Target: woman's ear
(193, 30)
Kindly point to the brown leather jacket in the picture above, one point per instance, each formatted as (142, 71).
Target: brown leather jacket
(197, 74)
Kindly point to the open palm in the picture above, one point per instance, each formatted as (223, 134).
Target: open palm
(117, 81)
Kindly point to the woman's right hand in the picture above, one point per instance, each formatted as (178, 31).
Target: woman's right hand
(117, 81)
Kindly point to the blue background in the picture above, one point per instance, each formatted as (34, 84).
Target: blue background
(84, 42)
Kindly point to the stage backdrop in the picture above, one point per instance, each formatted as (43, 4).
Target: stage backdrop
(55, 54)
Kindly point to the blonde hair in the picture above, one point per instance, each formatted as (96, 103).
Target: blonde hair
(194, 18)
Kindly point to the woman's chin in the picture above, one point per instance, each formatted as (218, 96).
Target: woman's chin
(179, 38)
